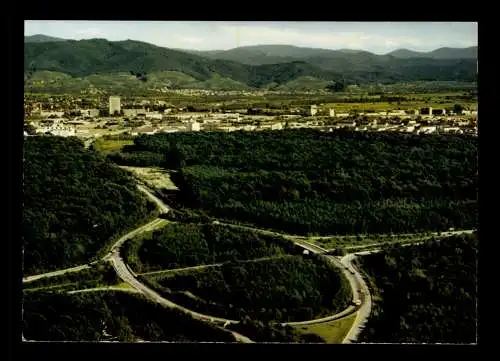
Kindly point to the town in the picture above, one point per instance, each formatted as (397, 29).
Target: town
(150, 117)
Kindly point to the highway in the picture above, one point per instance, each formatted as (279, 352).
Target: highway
(203, 266)
(127, 276)
(110, 288)
(359, 287)
(163, 207)
(56, 273)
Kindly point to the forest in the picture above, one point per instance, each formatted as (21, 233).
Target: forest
(427, 293)
(287, 288)
(106, 316)
(185, 245)
(307, 181)
(74, 203)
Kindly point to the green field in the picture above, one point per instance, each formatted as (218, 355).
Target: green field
(110, 145)
(363, 241)
(333, 332)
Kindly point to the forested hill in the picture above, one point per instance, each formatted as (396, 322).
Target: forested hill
(270, 54)
(441, 53)
(74, 203)
(85, 57)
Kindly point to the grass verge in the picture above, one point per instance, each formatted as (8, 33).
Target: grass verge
(332, 332)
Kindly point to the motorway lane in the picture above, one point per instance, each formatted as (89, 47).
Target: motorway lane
(363, 294)
(200, 267)
(125, 274)
(111, 288)
(56, 273)
(163, 207)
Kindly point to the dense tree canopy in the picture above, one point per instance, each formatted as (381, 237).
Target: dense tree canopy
(100, 316)
(287, 288)
(427, 292)
(74, 203)
(308, 181)
(184, 245)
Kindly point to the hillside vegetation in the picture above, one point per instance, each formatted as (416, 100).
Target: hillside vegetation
(101, 316)
(74, 203)
(186, 245)
(271, 54)
(98, 56)
(425, 293)
(307, 181)
(288, 288)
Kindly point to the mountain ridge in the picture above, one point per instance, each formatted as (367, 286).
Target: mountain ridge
(84, 57)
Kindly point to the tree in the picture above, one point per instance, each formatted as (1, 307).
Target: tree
(457, 109)
(29, 128)
(337, 86)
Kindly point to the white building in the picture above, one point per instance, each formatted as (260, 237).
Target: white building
(249, 127)
(152, 115)
(276, 126)
(314, 110)
(332, 112)
(193, 126)
(114, 105)
(51, 113)
(427, 129)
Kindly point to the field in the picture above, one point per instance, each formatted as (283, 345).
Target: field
(110, 145)
(333, 332)
(154, 177)
(350, 242)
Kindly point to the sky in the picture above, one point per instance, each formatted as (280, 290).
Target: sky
(376, 37)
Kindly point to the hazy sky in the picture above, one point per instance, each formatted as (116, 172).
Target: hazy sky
(377, 37)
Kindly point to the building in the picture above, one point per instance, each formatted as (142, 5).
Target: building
(249, 127)
(276, 126)
(51, 114)
(332, 112)
(144, 130)
(193, 126)
(314, 110)
(427, 129)
(114, 105)
(90, 112)
(153, 115)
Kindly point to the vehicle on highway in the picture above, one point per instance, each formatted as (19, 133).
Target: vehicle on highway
(357, 302)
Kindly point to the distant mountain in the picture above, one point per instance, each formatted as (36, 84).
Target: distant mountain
(40, 38)
(441, 53)
(264, 65)
(273, 54)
